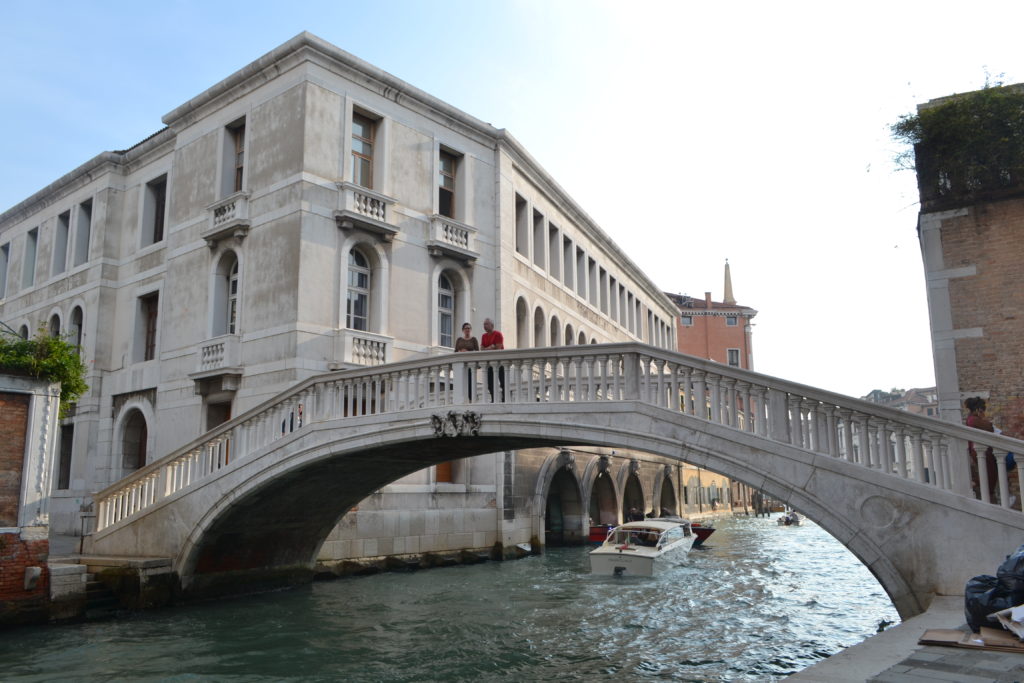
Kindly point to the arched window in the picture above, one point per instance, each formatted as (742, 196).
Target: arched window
(76, 326)
(226, 290)
(133, 442)
(583, 337)
(522, 324)
(357, 307)
(570, 338)
(445, 311)
(539, 323)
(23, 332)
(555, 330)
(55, 325)
(232, 312)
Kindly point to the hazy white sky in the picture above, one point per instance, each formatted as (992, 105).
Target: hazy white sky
(692, 132)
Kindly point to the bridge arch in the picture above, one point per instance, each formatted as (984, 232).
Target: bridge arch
(601, 492)
(264, 516)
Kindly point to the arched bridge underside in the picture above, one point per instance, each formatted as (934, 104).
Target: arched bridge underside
(263, 517)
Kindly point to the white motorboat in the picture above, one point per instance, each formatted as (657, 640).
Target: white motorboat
(638, 548)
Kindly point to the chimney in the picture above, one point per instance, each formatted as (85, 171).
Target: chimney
(707, 300)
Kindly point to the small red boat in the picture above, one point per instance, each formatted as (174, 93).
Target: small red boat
(702, 532)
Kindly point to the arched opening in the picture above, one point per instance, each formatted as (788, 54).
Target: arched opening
(538, 328)
(54, 325)
(603, 509)
(570, 337)
(357, 302)
(522, 324)
(556, 326)
(633, 499)
(23, 332)
(583, 338)
(133, 441)
(225, 296)
(667, 499)
(76, 326)
(563, 513)
(445, 311)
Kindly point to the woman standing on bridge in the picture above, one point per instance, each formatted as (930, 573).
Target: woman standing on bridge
(976, 418)
(467, 342)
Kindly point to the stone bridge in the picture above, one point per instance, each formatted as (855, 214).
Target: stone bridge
(252, 501)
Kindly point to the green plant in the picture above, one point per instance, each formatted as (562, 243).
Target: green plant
(49, 358)
(966, 147)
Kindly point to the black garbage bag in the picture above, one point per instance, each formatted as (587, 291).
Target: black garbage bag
(1011, 574)
(984, 595)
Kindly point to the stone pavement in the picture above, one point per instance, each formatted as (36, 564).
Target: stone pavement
(894, 656)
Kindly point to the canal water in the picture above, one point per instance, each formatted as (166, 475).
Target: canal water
(762, 601)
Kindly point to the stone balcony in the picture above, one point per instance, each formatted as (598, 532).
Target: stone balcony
(219, 364)
(448, 237)
(365, 209)
(355, 347)
(229, 218)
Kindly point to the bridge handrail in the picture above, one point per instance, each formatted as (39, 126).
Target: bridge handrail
(897, 442)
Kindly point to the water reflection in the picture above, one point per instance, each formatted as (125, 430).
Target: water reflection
(762, 602)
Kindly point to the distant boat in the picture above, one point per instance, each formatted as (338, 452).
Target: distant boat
(639, 548)
(791, 518)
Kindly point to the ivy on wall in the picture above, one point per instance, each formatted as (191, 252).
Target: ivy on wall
(966, 147)
(48, 358)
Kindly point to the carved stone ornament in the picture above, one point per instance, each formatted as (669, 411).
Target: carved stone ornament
(456, 424)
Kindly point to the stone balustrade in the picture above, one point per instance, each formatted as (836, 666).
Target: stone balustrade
(229, 218)
(219, 352)
(830, 425)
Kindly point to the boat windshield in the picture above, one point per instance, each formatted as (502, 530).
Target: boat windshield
(635, 536)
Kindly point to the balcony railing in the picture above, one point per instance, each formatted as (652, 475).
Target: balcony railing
(355, 347)
(229, 217)
(448, 237)
(365, 209)
(219, 352)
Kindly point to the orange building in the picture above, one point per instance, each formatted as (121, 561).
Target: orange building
(717, 330)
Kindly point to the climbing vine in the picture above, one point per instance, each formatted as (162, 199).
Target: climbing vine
(966, 147)
(49, 358)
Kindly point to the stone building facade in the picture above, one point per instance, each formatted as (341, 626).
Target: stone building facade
(308, 213)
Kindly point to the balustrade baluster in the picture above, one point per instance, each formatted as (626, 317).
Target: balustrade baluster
(700, 407)
(796, 420)
(760, 410)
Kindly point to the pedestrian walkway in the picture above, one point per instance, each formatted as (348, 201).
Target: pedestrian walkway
(894, 656)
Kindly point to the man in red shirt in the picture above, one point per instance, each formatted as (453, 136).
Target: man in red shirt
(492, 340)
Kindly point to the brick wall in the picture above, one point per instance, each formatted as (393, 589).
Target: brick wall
(991, 238)
(18, 605)
(13, 423)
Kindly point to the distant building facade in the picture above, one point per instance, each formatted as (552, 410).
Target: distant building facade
(720, 331)
(921, 401)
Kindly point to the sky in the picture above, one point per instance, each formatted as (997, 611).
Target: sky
(692, 133)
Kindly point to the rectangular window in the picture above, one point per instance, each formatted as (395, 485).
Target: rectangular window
(28, 270)
(592, 272)
(581, 272)
(60, 243)
(153, 211)
(734, 357)
(233, 158)
(446, 184)
(443, 473)
(538, 240)
(149, 307)
(238, 139)
(613, 292)
(363, 129)
(5, 257)
(730, 320)
(522, 227)
(83, 232)
(603, 283)
(567, 251)
(686, 320)
(553, 254)
(67, 440)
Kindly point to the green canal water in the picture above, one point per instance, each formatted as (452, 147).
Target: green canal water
(761, 602)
